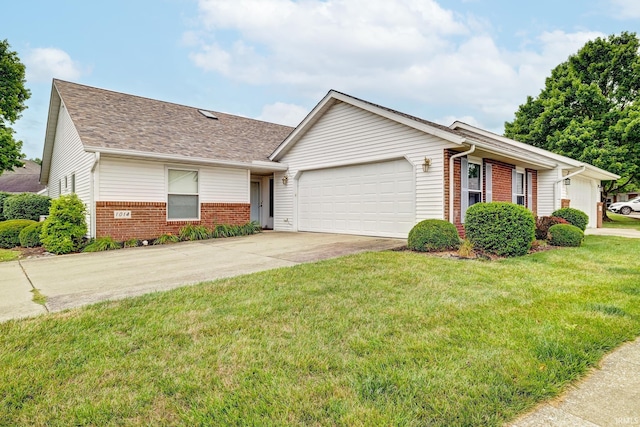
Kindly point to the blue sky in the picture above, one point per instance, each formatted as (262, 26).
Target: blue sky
(442, 60)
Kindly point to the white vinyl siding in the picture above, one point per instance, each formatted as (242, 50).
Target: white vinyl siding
(69, 158)
(548, 192)
(344, 135)
(217, 184)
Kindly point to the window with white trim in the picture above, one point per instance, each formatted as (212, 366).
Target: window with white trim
(183, 200)
(471, 180)
(520, 196)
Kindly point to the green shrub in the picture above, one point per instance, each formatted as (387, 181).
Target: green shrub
(433, 235)
(30, 235)
(226, 230)
(3, 197)
(573, 216)
(131, 243)
(166, 238)
(10, 232)
(543, 223)
(64, 230)
(503, 229)
(100, 244)
(194, 232)
(565, 235)
(26, 206)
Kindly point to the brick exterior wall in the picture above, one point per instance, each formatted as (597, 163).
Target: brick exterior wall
(149, 219)
(501, 186)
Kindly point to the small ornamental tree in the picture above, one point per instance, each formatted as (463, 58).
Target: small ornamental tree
(63, 231)
(503, 229)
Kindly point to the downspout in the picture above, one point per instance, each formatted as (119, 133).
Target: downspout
(451, 184)
(555, 187)
(92, 211)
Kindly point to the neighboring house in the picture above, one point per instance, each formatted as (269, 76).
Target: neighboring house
(360, 168)
(25, 179)
(146, 167)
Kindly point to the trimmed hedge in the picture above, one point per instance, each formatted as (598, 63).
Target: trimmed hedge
(3, 197)
(433, 235)
(565, 235)
(574, 216)
(26, 206)
(503, 229)
(64, 230)
(10, 232)
(30, 236)
(543, 223)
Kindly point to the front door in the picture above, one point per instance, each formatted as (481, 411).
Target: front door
(256, 204)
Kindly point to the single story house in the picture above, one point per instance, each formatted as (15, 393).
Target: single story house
(144, 167)
(24, 179)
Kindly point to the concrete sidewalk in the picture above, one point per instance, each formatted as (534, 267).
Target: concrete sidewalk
(74, 280)
(620, 232)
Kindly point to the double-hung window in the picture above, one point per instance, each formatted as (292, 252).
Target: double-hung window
(519, 195)
(471, 180)
(183, 201)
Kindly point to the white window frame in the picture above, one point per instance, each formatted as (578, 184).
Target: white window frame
(73, 182)
(178, 168)
(514, 187)
(464, 184)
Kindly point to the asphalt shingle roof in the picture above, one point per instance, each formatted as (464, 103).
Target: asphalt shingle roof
(113, 120)
(22, 179)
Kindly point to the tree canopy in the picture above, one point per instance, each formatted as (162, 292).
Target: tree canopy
(13, 95)
(589, 109)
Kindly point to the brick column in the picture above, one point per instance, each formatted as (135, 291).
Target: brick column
(564, 203)
(599, 214)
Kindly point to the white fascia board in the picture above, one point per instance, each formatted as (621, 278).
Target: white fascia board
(304, 125)
(327, 101)
(55, 103)
(518, 144)
(145, 155)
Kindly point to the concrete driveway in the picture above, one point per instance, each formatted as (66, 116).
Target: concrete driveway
(75, 280)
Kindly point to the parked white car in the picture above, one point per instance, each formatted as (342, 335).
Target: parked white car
(625, 208)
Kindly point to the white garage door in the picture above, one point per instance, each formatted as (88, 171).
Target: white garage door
(375, 199)
(582, 197)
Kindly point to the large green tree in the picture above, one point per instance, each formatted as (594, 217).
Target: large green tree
(13, 95)
(589, 110)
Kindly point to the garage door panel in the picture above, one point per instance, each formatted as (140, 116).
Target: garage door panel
(374, 199)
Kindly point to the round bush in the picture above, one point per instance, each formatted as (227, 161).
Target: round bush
(433, 235)
(573, 216)
(26, 206)
(10, 232)
(503, 229)
(64, 230)
(565, 235)
(30, 236)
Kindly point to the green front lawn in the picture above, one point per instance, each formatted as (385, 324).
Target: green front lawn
(8, 255)
(391, 338)
(621, 221)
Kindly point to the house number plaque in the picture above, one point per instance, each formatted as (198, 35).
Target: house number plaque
(122, 214)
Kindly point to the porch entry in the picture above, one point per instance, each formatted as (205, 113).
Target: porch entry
(256, 202)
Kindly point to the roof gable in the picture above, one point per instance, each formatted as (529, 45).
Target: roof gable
(107, 120)
(334, 96)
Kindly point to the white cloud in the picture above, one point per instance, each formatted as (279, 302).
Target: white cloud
(626, 9)
(284, 114)
(43, 64)
(413, 49)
